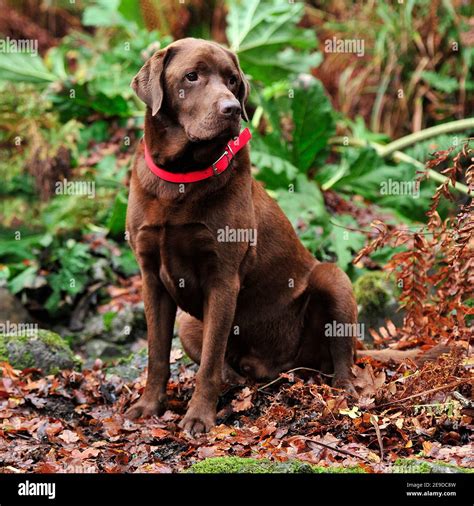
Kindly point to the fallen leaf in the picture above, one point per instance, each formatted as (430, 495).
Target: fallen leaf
(243, 401)
(68, 436)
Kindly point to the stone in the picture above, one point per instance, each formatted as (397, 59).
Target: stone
(40, 349)
(126, 325)
(130, 368)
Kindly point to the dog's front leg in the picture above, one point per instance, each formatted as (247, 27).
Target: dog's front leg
(219, 310)
(160, 312)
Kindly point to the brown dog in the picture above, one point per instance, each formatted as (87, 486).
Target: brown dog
(254, 307)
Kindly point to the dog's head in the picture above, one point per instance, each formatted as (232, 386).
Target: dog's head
(197, 84)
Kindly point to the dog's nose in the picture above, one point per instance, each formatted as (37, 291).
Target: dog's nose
(230, 107)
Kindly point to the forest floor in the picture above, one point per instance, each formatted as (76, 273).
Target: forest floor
(74, 421)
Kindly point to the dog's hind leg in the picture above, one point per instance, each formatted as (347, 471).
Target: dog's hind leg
(191, 334)
(327, 345)
(190, 331)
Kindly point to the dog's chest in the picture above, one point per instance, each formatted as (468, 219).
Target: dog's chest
(188, 253)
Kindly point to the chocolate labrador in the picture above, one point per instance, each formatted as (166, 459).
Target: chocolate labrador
(210, 240)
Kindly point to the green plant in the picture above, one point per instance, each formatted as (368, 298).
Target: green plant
(270, 45)
(74, 261)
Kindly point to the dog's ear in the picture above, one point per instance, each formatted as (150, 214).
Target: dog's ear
(243, 94)
(244, 87)
(148, 83)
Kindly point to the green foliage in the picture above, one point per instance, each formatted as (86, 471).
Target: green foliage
(104, 65)
(344, 240)
(362, 171)
(265, 35)
(116, 221)
(303, 204)
(104, 69)
(79, 93)
(312, 120)
(74, 260)
(25, 68)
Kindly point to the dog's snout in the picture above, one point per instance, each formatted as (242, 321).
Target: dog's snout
(229, 107)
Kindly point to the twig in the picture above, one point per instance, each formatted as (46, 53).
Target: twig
(379, 435)
(329, 447)
(431, 391)
(290, 371)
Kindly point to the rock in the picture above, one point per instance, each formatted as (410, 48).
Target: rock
(99, 348)
(41, 349)
(11, 309)
(130, 368)
(231, 465)
(126, 325)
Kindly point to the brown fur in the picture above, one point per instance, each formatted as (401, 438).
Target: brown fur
(250, 310)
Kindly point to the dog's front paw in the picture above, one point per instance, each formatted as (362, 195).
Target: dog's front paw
(198, 421)
(144, 408)
(345, 384)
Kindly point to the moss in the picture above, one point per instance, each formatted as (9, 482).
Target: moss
(239, 465)
(371, 292)
(232, 465)
(424, 467)
(52, 339)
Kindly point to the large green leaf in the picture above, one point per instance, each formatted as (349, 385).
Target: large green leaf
(345, 241)
(116, 221)
(275, 172)
(25, 68)
(103, 13)
(264, 33)
(305, 203)
(26, 279)
(313, 120)
(271, 158)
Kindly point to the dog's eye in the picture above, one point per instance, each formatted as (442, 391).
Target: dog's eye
(233, 80)
(191, 76)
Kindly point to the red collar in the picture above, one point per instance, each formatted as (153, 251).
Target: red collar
(218, 167)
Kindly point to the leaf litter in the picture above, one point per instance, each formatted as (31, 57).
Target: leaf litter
(74, 421)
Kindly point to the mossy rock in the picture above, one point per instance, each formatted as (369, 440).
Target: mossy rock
(130, 368)
(126, 325)
(375, 295)
(425, 467)
(372, 292)
(232, 465)
(41, 349)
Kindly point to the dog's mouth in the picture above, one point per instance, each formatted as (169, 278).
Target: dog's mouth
(208, 132)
